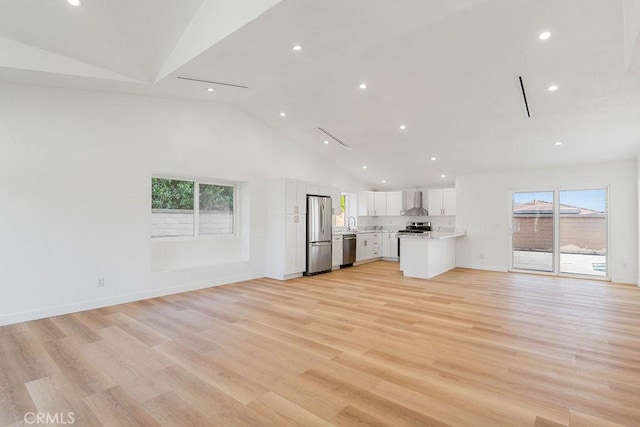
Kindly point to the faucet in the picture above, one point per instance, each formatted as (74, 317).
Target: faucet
(349, 223)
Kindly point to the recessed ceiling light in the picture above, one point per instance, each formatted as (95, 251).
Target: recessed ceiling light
(364, 167)
(557, 143)
(403, 127)
(544, 35)
(210, 89)
(433, 158)
(553, 88)
(443, 176)
(74, 2)
(296, 47)
(326, 142)
(363, 85)
(384, 181)
(283, 114)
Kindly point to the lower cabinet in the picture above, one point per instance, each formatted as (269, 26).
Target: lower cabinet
(295, 243)
(336, 251)
(286, 246)
(375, 245)
(361, 247)
(390, 245)
(367, 246)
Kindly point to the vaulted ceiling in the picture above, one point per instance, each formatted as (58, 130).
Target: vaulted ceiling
(446, 69)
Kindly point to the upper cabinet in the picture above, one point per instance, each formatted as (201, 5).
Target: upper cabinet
(295, 197)
(372, 203)
(395, 203)
(442, 202)
(439, 202)
(365, 203)
(379, 203)
(289, 196)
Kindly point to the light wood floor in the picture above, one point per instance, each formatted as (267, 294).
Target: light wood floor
(357, 346)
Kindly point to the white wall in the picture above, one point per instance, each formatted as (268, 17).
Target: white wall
(75, 171)
(638, 176)
(483, 208)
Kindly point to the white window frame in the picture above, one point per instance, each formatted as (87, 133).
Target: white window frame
(196, 206)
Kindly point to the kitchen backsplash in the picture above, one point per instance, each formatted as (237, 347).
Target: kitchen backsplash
(399, 222)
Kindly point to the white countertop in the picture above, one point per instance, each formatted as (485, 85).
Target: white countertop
(434, 235)
(339, 233)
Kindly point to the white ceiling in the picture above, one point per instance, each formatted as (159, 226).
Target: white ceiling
(447, 69)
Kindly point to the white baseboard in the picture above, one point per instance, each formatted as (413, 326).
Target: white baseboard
(484, 267)
(366, 261)
(283, 277)
(26, 316)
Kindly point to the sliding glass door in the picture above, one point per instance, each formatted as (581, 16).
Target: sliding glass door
(532, 225)
(583, 232)
(561, 232)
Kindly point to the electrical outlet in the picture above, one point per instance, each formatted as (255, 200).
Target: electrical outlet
(100, 282)
(624, 265)
(481, 256)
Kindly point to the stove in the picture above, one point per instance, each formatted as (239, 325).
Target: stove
(416, 228)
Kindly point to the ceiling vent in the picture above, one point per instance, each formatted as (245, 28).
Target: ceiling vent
(336, 139)
(212, 83)
(524, 96)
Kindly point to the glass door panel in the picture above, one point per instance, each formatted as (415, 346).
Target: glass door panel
(532, 226)
(583, 232)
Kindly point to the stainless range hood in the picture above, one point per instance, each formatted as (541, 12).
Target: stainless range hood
(417, 209)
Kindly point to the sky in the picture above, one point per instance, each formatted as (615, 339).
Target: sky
(590, 199)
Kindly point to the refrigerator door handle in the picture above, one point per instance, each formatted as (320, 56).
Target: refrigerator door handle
(322, 217)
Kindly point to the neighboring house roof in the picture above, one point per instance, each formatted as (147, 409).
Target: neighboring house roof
(539, 207)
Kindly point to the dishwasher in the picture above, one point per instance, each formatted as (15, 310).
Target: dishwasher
(348, 250)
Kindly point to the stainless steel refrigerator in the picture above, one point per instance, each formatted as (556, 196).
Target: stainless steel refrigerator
(318, 234)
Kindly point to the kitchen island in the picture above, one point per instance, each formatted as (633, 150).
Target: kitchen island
(429, 254)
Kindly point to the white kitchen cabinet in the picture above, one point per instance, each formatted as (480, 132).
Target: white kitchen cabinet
(449, 201)
(295, 197)
(286, 242)
(442, 201)
(287, 226)
(295, 243)
(395, 203)
(368, 246)
(372, 203)
(366, 201)
(379, 203)
(390, 245)
(435, 202)
(336, 251)
(376, 251)
(361, 247)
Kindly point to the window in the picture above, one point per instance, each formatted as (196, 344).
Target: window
(340, 213)
(181, 207)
